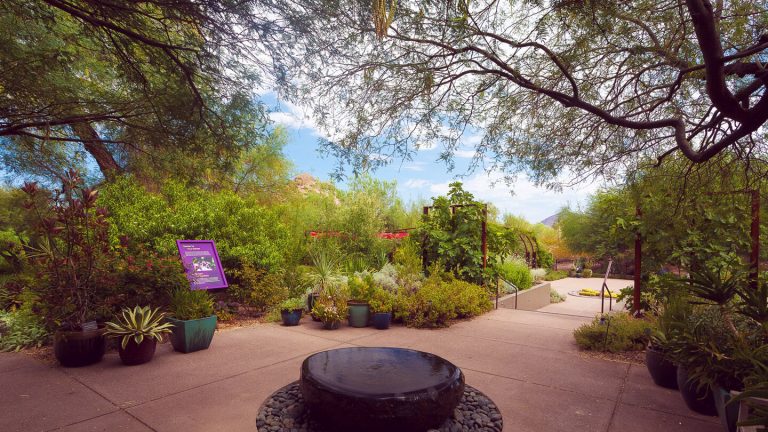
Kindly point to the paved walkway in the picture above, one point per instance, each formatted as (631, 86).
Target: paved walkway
(525, 361)
(584, 306)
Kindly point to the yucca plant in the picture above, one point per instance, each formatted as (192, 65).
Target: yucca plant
(139, 323)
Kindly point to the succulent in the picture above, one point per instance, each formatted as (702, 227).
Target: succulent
(138, 323)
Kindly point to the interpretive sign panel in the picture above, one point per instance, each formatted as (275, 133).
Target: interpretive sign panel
(202, 264)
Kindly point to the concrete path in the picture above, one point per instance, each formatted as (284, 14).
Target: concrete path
(525, 361)
(584, 306)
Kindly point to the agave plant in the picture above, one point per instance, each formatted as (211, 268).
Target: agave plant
(139, 323)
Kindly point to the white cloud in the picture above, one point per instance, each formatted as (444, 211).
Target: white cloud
(465, 154)
(414, 166)
(416, 183)
(519, 198)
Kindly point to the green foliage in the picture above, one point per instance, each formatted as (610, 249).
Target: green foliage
(618, 332)
(361, 287)
(189, 304)
(441, 299)
(381, 301)
(20, 329)
(553, 275)
(516, 270)
(293, 303)
(587, 273)
(538, 274)
(245, 232)
(452, 231)
(138, 323)
(256, 288)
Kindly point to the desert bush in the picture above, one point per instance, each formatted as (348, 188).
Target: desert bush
(555, 296)
(257, 288)
(615, 333)
(516, 271)
(441, 299)
(538, 273)
(554, 275)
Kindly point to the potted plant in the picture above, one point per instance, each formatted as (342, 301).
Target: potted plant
(322, 274)
(71, 255)
(291, 310)
(139, 330)
(587, 273)
(361, 288)
(381, 309)
(193, 320)
(331, 307)
(658, 356)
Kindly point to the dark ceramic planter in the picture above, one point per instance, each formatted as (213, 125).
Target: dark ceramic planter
(192, 335)
(698, 400)
(728, 414)
(663, 372)
(331, 325)
(381, 320)
(79, 348)
(359, 314)
(291, 317)
(136, 354)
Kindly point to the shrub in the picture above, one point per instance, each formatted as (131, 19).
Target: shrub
(256, 288)
(538, 274)
(555, 296)
(617, 332)
(187, 304)
(554, 275)
(516, 271)
(587, 273)
(440, 299)
(21, 329)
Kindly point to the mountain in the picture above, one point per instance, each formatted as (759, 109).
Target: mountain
(550, 221)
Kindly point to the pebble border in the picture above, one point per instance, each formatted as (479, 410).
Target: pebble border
(284, 411)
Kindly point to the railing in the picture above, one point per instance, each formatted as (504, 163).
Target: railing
(517, 290)
(605, 288)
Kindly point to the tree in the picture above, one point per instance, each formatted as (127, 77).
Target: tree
(595, 86)
(134, 85)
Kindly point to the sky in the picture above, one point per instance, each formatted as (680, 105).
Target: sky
(425, 176)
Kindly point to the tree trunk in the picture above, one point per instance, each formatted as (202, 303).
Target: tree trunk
(95, 147)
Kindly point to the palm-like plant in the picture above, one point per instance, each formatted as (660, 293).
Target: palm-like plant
(137, 324)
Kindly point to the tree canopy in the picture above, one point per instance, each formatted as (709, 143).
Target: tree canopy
(594, 86)
(136, 85)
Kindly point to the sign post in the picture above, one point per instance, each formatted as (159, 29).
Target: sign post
(202, 264)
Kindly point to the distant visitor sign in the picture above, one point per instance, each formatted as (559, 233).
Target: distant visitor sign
(202, 264)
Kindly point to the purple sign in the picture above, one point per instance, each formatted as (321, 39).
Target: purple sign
(202, 263)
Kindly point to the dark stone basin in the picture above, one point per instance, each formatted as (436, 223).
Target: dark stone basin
(380, 389)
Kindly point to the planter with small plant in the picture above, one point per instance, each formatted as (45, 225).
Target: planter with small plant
(291, 311)
(194, 322)
(381, 308)
(139, 330)
(361, 288)
(331, 306)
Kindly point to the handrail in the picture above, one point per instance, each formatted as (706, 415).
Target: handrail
(517, 290)
(605, 288)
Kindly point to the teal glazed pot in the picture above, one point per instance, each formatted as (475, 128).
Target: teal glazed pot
(192, 335)
(359, 314)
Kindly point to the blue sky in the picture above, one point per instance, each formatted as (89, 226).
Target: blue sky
(425, 176)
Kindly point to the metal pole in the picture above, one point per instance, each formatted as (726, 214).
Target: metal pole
(638, 267)
(754, 255)
(424, 244)
(485, 237)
